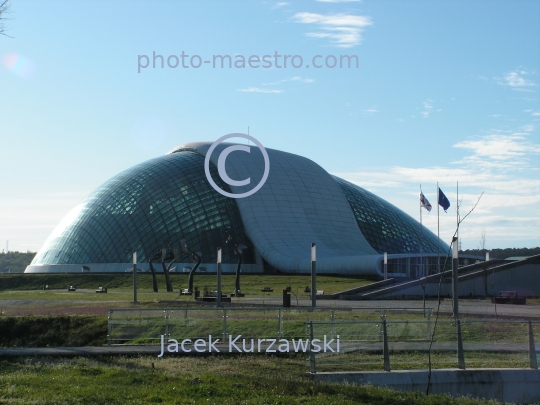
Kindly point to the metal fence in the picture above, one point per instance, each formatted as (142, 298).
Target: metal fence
(369, 338)
(145, 326)
(406, 344)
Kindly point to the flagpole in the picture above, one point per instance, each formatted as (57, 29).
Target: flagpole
(457, 211)
(421, 238)
(438, 237)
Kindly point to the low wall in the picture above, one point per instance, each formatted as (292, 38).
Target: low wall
(522, 276)
(504, 385)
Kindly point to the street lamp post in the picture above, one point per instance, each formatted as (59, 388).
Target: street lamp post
(135, 277)
(219, 277)
(313, 275)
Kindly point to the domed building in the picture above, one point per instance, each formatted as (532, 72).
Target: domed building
(168, 200)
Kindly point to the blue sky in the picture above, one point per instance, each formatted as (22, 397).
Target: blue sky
(444, 92)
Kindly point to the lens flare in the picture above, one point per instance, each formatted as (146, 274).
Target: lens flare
(19, 65)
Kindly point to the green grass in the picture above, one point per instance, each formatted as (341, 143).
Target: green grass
(415, 360)
(113, 296)
(53, 331)
(250, 284)
(187, 380)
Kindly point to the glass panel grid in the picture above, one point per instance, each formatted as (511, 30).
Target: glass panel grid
(386, 227)
(161, 201)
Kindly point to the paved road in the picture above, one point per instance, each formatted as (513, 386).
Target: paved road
(470, 307)
(115, 350)
(481, 308)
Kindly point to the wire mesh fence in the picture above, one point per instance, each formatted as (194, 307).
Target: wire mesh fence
(368, 338)
(145, 326)
(486, 343)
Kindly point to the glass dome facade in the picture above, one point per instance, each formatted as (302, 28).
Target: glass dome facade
(150, 205)
(167, 199)
(386, 227)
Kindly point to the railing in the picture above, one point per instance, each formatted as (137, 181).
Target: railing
(404, 344)
(145, 326)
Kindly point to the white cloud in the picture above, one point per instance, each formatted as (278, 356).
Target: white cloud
(295, 79)
(259, 90)
(290, 79)
(281, 4)
(503, 165)
(516, 80)
(343, 30)
(428, 106)
(500, 151)
(333, 19)
(370, 111)
(338, 1)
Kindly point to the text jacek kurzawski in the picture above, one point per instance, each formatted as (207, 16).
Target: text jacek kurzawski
(242, 345)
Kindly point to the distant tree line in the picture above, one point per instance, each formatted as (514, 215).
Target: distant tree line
(503, 253)
(15, 262)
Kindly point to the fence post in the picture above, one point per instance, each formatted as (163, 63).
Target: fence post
(312, 364)
(386, 353)
(332, 318)
(280, 323)
(109, 327)
(461, 355)
(532, 348)
(167, 323)
(428, 331)
(224, 331)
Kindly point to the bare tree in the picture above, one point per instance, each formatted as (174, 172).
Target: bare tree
(4, 11)
(460, 220)
(483, 241)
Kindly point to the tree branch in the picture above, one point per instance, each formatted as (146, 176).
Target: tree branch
(4, 10)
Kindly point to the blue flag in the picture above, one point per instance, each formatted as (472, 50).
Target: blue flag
(443, 201)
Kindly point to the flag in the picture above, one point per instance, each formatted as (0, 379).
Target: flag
(424, 202)
(443, 201)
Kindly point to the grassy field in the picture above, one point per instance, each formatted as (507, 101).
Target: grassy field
(224, 379)
(23, 294)
(415, 360)
(250, 284)
(53, 331)
(187, 380)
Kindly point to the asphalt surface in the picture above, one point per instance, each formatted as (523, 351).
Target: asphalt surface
(130, 350)
(466, 306)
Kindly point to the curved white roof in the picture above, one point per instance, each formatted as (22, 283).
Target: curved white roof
(299, 204)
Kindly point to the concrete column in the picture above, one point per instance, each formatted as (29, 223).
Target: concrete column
(313, 275)
(385, 266)
(135, 278)
(219, 277)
